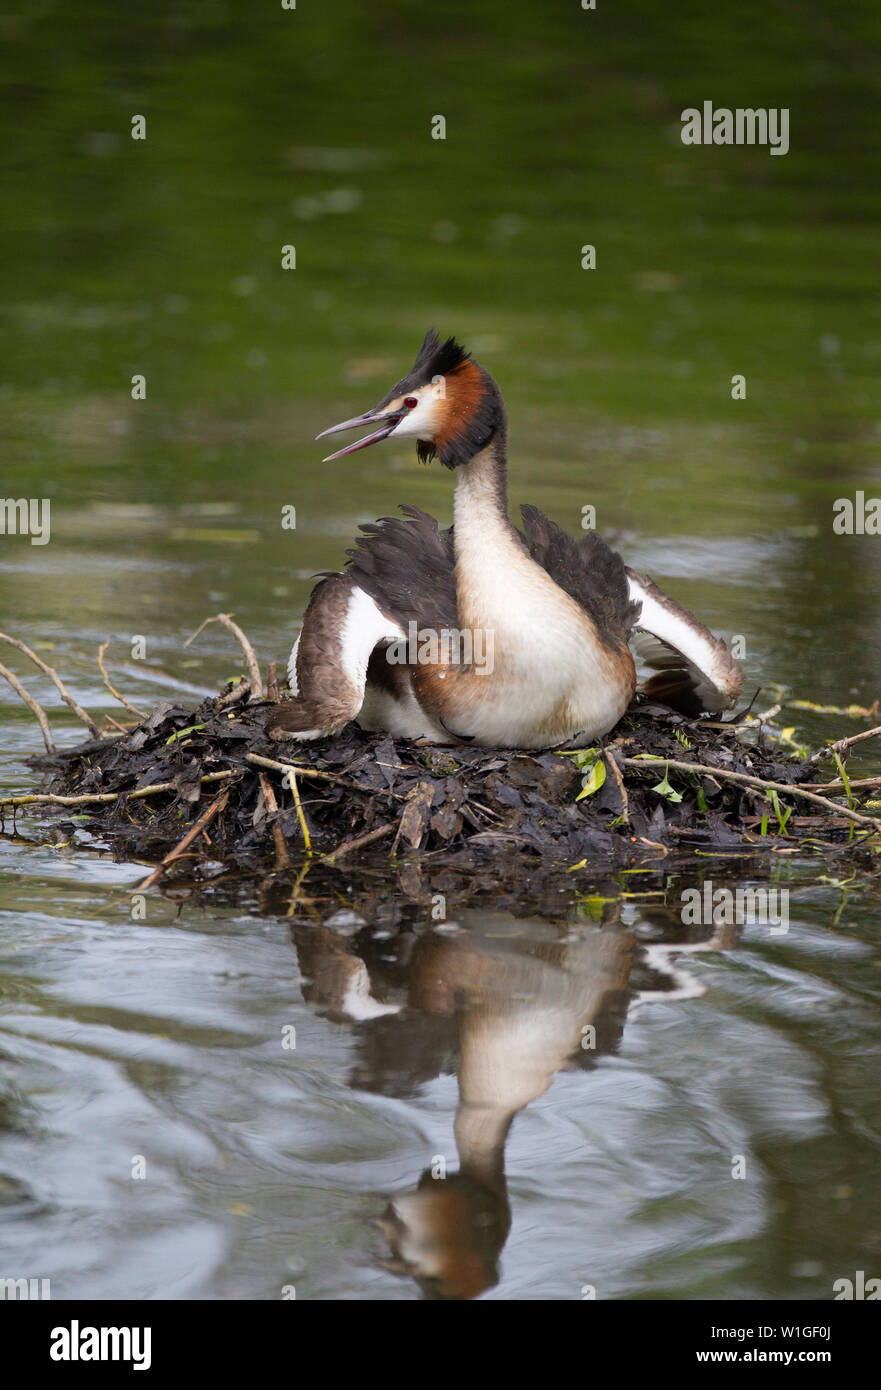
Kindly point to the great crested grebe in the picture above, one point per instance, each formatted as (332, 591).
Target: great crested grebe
(556, 615)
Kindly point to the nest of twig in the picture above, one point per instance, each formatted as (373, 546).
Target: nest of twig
(205, 786)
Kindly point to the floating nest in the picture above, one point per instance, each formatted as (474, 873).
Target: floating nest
(201, 791)
(207, 785)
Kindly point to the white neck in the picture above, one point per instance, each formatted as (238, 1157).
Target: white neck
(487, 545)
(481, 500)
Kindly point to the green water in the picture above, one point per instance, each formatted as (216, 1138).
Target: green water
(162, 257)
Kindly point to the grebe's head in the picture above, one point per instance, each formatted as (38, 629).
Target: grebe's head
(446, 402)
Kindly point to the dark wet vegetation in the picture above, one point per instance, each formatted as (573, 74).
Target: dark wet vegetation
(464, 807)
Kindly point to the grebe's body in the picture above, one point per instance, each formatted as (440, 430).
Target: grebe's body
(482, 633)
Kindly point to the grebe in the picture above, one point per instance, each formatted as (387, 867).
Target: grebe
(557, 616)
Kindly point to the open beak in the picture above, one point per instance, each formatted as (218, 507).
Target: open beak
(386, 420)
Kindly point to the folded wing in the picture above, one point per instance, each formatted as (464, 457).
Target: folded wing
(696, 671)
(587, 570)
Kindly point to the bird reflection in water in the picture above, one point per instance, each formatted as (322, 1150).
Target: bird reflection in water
(513, 1001)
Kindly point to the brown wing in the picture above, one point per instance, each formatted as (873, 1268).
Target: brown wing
(408, 568)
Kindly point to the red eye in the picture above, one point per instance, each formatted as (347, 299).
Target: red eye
(411, 402)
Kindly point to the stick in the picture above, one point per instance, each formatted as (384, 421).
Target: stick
(767, 715)
(842, 744)
(234, 695)
(859, 784)
(282, 859)
(291, 773)
(115, 693)
(360, 841)
(258, 760)
(183, 844)
(53, 676)
(612, 765)
(292, 783)
(32, 705)
(92, 798)
(226, 619)
(272, 682)
(790, 789)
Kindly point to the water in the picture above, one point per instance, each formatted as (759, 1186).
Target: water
(269, 1166)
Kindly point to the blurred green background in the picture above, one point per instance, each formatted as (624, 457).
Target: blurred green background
(312, 128)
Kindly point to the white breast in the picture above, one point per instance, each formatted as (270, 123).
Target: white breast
(549, 664)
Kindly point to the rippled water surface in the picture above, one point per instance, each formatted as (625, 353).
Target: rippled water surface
(426, 1047)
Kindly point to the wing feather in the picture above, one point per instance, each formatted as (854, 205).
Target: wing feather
(589, 571)
(696, 671)
(408, 568)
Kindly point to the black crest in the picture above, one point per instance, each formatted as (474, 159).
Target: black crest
(433, 359)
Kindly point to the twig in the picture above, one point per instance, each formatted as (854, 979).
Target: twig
(282, 858)
(272, 682)
(290, 773)
(93, 798)
(115, 693)
(856, 784)
(292, 783)
(842, 744)
(54, 677)
(612, 764)
(789, 788)
(183, 844)
(807, 821)
(360, 841)
(767, 715)
(258, 760)
(32, 705)
(235, 694)
(226, 619)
